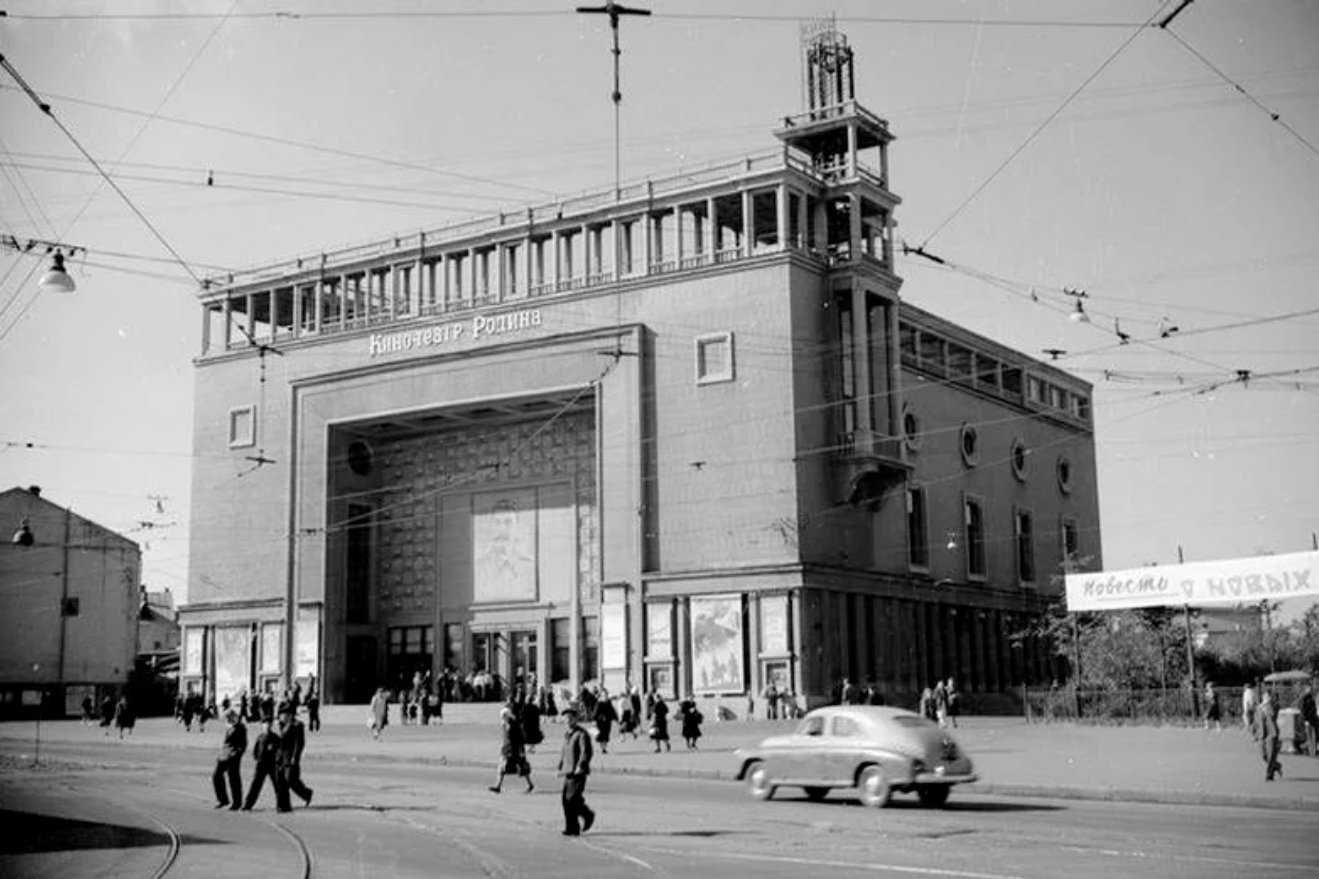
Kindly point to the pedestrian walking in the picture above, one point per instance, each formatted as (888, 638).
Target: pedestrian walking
(1213, 708)
(228, 764)
(1310, 717)
(954, 702)
(691, 719)
(513, 750)
(659, 723)
(124, 718)
(771, 697)
(925, 707)
(1268, 734)
(575, 766)
(1249, 700)
(605, 717)
(313, 712)
(288, 759)
(107, 712)
(379, 716)
(265, 753)
(531, 730)
(940, 695)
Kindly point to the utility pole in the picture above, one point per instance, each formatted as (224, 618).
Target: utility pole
(614, 11)
(1190, 648)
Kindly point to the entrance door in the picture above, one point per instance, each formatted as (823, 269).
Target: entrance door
(524, 656)
(360, 669)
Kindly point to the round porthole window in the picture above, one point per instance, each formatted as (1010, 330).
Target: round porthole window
(1020, 457)
(359, 458)
(1065, 474)
(911, 429)
(970, 443)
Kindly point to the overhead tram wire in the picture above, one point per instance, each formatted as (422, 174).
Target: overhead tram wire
(1148, 343)
(1272, 114)
(306, 145)
(277, 15)
(1039, 129)
(46, 108)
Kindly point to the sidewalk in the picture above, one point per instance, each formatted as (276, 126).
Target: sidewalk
(1170, 765)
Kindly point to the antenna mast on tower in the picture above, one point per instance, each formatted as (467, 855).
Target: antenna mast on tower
(614, 11)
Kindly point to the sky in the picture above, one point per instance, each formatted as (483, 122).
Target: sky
(1172, 175)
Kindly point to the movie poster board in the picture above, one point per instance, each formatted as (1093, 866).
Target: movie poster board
(718, 644)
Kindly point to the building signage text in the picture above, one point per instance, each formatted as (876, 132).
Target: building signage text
(1230, 581)
(482, 326)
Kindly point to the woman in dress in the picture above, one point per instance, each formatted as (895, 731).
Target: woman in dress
(379, 713)
(512, 750)
(659, 723)
(691, 721)
(604, 717)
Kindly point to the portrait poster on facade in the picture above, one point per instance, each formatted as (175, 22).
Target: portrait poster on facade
(233, 660)
(271, 647)
(659, 631)
(613, 636)
(774, 624)
(193, 640)
(504, 545)
(717, 646)
(306, 646)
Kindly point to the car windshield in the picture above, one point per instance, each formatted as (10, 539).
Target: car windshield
(811, 726)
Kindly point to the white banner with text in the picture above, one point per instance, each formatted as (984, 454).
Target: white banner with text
(1229, 581)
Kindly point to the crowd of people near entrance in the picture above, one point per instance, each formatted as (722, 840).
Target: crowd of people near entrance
(192, 707)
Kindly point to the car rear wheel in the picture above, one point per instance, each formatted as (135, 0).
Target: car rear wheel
(816, 793)
(874, 788)
(758, 783)
(932, 796)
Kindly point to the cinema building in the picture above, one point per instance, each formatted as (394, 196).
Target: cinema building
(686, 435)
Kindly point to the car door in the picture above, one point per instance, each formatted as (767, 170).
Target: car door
(844, 742)
(799, 759)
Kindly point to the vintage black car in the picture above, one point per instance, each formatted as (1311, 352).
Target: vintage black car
(876, 750)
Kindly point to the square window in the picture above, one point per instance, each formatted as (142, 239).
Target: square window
(714, 358)
(242, 427)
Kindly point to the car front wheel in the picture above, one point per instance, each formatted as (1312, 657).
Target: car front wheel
(933, 796)
(874, 788)
(758, 783)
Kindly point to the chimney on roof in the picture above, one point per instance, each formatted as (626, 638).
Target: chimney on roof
(34, 490)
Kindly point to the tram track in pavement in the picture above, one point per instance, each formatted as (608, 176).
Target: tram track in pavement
(178, 844)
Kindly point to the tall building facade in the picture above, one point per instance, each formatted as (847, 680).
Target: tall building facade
(684, 435)
(69, 605)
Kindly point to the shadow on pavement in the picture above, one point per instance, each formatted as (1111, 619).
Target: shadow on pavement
(28, 833)
(903, 804)
(363, 807)
(703, 834)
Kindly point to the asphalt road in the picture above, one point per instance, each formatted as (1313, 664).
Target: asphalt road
(86, 812)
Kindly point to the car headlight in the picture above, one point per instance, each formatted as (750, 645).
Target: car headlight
(939, 770)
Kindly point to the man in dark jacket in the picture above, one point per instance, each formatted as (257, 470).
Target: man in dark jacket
(265, 752)
(575, 766)
(228, 763)
(288, 761)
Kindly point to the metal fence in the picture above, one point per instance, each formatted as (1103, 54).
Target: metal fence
(1166, 705)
